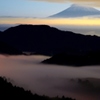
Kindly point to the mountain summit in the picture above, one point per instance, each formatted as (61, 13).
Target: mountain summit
(77, 11)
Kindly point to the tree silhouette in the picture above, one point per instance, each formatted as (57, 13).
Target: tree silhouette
(11, 92)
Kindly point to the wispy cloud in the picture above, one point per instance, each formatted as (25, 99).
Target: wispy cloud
(87, 2)
(55, 1)
(83, 2)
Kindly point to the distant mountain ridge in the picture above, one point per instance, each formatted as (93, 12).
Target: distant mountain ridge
(46, 40)
(79, 59)
(77, 11)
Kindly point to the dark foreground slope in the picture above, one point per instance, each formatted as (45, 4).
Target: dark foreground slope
(10, 92)
(47, 40)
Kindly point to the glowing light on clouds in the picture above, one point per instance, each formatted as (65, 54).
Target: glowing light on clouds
(57, 21)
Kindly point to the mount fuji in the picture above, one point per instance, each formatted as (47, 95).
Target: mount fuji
(76, 11)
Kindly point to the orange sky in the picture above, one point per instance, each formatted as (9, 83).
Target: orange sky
(60, 21)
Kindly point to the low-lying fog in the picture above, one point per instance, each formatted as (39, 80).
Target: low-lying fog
(82, 83)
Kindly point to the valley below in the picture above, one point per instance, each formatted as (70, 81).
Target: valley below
(81, 83)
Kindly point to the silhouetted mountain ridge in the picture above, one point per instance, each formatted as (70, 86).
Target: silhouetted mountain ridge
(9, 50)
(46, 40)
(78, 59)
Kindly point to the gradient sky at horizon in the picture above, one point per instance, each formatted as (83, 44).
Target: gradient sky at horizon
(36, 11)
